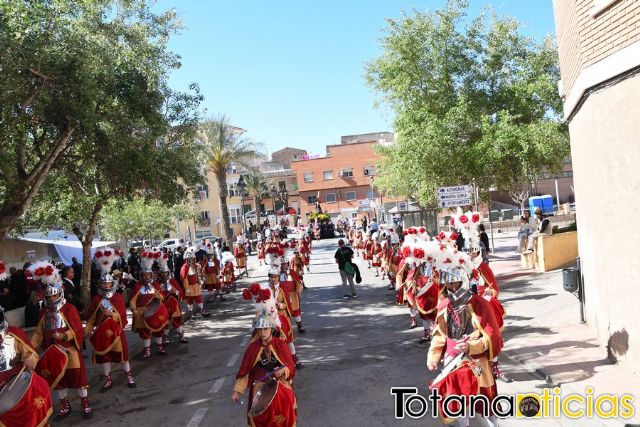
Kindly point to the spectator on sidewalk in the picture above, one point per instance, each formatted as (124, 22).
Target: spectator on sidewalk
(71, 291)
(18, 286)
(523, 234)
(77, 270)
(343, 257)
(484, 239)
(5, 292)
(32, 310)
(544, 228)
(133, 261)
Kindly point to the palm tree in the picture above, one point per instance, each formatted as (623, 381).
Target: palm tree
(257, 189)
(225, 147)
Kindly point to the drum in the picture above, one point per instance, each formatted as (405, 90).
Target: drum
(53, 364)
(459, 377)
(25, 402)
(156, 316)
(273, 404)
(106, 336)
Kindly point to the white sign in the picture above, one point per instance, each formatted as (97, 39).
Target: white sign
(454, 196)
(402, 206)
(454, 203)
(455, 189)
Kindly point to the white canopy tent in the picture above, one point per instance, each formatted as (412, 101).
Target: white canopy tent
(66, 246)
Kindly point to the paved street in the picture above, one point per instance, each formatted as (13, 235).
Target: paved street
(353, 352)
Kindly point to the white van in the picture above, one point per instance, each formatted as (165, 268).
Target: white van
(170, 244)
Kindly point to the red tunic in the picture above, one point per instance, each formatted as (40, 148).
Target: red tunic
(120, 353)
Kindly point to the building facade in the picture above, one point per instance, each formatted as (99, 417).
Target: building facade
(599, 51)
(340, 181)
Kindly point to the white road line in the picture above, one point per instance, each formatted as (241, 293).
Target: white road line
(244, 341)
(233, 360)
(217, 385)
(197, 417)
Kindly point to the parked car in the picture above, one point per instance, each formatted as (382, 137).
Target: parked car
(170, 244)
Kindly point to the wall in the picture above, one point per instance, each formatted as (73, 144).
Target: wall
(584, 39)
(14, 252)
(606, 155)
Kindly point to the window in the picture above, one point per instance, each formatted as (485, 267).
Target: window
(311, 199)
(235, 215)
(233, 190)
(350, 195)
(327, 175)
(369, 170)
(205, 218)
(370, 194)
(308, 177)
(331, 197)
(232, 169)
(347, 172)
(282, 184)
(600, 6)
(203, 191)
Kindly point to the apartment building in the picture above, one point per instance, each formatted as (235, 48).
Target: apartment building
(599, 51)
(340, 181)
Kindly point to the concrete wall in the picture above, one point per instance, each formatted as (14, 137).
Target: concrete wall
(606, 159)
(14, 252)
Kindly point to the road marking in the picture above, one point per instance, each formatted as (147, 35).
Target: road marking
(216, 385)
(197, 417)
(244, 342)
(233, 360)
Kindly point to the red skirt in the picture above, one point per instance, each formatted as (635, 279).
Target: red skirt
(282, 412)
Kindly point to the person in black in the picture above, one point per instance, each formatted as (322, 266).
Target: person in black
(5, 293)
(459, 240)
(134, 263)
(178, 261)
(484, 239)
(343, 256)
(18, 287)
(71, 291)
(32, 311)
(77, 270)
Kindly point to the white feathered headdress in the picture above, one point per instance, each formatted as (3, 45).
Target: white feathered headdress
(105, 257)
(46, 273)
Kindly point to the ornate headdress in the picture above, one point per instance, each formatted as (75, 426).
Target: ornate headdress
(46, 273)
(105, 257)
(266, 306)
(3, 271)
(147, 259)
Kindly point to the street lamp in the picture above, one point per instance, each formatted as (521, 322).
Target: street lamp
(242, 185)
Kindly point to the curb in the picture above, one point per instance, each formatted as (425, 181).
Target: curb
(531, 368)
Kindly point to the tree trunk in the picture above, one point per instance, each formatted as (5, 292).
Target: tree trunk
(221, 176)
(87, 241)
(256, 203)
(20, 199)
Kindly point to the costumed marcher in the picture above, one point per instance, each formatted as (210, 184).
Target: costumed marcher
(483, 281)
(189, 276)
(376, 253)
(292, 287)
(368, 250)
(150, 315)
(17, 355)
(228, 272)
(172, 295)
(267, 363)
(240, 254)
(466, 330)
(261, 254)
(106, 322)
(304, 249)
(282, 299)
(60, 326)
(210, 269)
(416, 287)
(359, 243)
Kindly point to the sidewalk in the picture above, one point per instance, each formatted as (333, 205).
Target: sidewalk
(543, 335)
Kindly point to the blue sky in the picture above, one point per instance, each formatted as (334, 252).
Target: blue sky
(291, 72)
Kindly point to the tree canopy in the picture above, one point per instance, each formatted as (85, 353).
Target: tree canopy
(475, 101)
(76, 78)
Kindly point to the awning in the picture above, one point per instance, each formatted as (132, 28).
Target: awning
(410, 208)
(68, 249)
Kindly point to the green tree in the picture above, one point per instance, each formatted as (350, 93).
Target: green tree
(256, 187)
(66, 66)
(136, 219)
(473, 102)
(225, 146)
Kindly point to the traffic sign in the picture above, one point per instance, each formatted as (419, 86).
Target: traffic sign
(455, 189)
(454, 196)
(454, 203)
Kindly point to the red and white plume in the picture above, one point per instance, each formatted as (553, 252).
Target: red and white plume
(46, 273)
(3, 270)
(105, 257)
